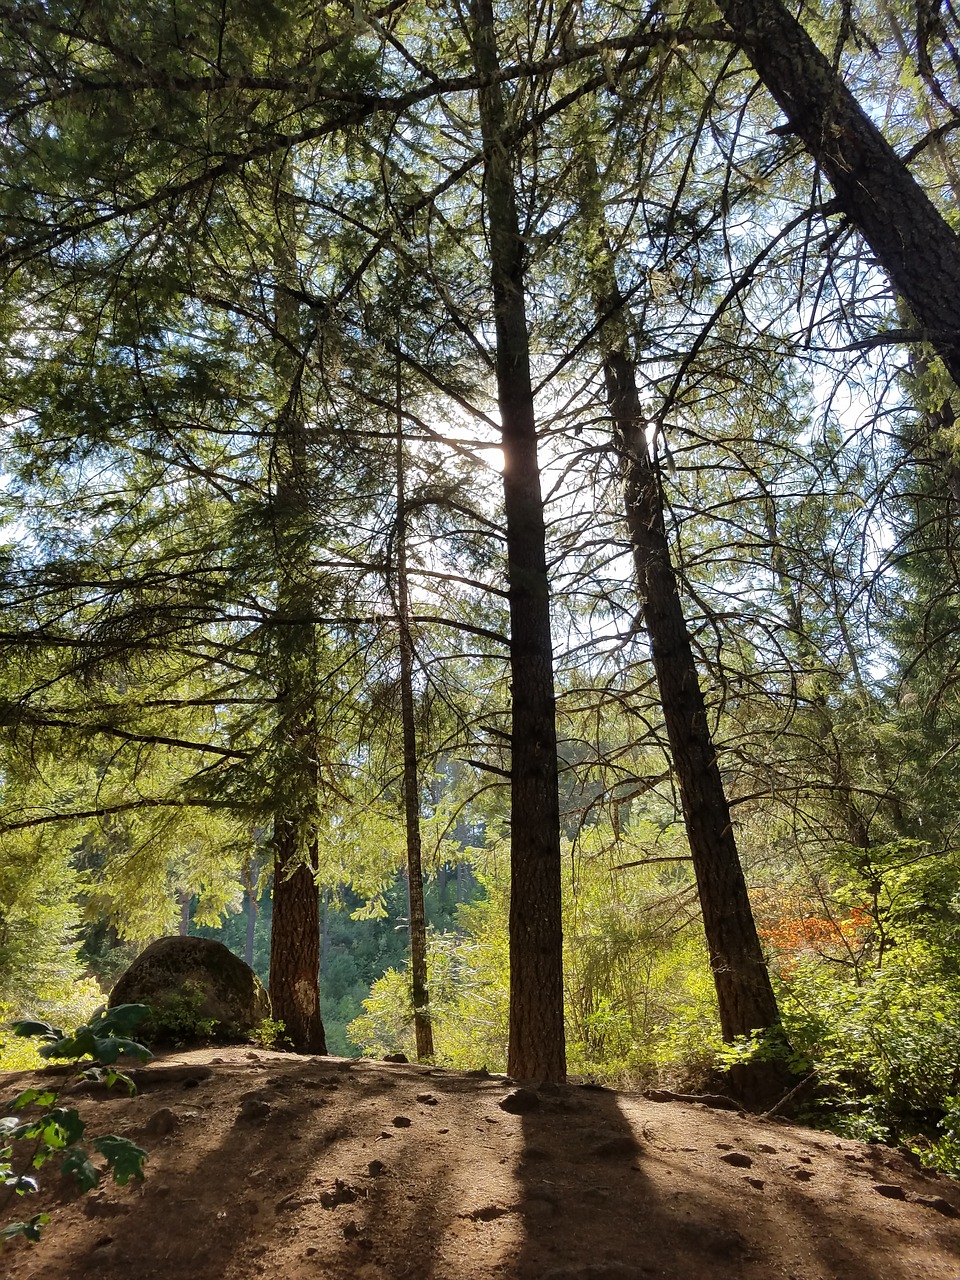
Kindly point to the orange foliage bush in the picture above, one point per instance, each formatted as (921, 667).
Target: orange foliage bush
(792, 934)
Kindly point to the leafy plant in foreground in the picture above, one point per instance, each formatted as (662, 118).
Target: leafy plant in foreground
(91, 1054)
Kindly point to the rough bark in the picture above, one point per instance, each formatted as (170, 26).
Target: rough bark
(744, 994)
(411, 782)
(537, 1047)
(873, 186)
(295, 935)
(295, 944)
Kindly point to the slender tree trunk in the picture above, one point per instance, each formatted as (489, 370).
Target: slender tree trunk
(185, 899)
(537, 1050)
(873, 186)
(744, 994)
(295, 935)
(251, 928)
(411, 781)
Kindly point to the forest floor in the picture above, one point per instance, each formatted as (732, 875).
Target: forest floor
(263, 1163)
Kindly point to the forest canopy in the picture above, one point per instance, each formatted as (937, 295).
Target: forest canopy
(509, 449)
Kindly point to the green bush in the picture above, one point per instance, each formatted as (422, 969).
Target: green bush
(885, 1050)
(56, 1132)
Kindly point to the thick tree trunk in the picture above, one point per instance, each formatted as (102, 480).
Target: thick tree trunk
(411, 782)
(295, 945)
(295, 935)
(873, 186)
(537, 1047)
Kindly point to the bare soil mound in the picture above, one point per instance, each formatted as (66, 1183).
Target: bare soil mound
(329, 1169)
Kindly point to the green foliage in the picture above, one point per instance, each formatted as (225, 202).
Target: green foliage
(105, 1038)
(640, 1002)
(640, 997)
(178, 1018)
(885, 1051)
(269, 1033)
(467, 978)
(59, 1132)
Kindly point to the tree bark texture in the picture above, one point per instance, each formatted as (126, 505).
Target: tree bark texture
(873, 186)
(744, 994)
(295, 935)
(537, 1045)
(411, 782)
(295, 944)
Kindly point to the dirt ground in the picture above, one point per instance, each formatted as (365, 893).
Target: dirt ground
(330, 1169)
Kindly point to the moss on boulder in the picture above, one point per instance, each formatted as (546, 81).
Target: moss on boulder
(197, 990)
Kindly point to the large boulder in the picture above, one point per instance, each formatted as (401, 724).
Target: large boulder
(197, 990)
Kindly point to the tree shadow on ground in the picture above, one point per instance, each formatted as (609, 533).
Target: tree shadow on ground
(605, 1195)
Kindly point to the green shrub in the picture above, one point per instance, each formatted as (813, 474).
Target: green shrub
(885, 1051)
(55, 1132)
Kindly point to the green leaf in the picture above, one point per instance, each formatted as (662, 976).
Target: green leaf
(42, 1097)
(30, 1228)
(77, 1164)
(27, 1028)
(120, 1020)
(112, 1048)
(61, 1127)
(21, 1183)
(124, 1157)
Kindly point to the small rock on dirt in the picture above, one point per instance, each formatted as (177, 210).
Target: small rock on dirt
(428, 1099)
(395, 1057)
(401, 1122)
(520, 1101)
(253, 1109)
(162, 1122)
(376, 1169)
(891, 1190)
(739, 1159)
(938, 1204)
(340, 1193)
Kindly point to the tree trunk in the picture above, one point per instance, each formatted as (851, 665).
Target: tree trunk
(295, 935)
(186, 898)
(744, 994)
(251, 928)
(411, 781)
(873, 186)
(537, 1049)
(295, 945)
